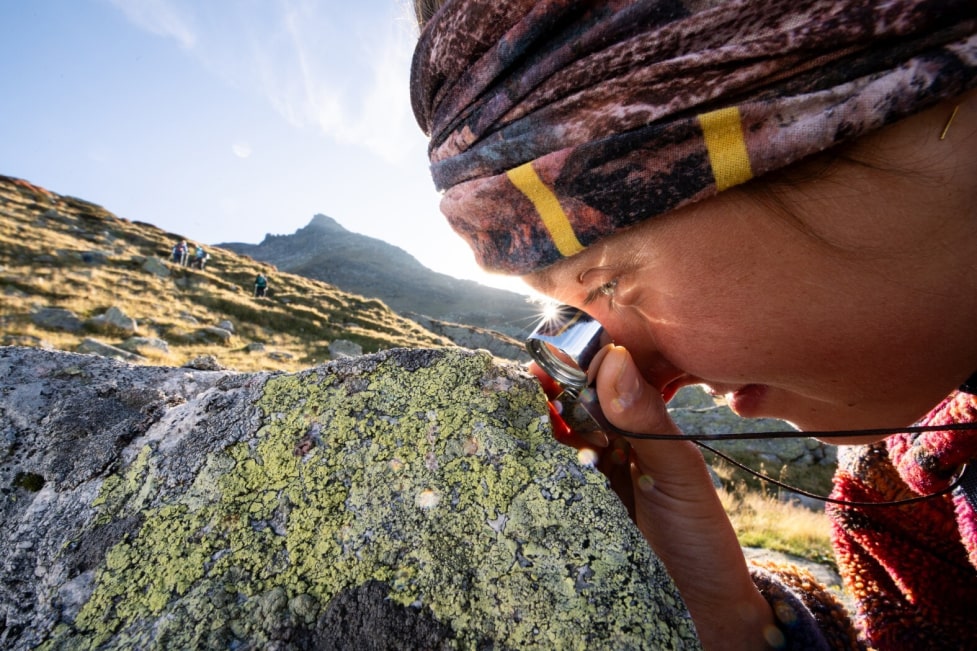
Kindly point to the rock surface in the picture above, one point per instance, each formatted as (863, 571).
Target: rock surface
(408, 499)
(696, 412)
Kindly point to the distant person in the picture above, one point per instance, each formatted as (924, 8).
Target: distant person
(184, 253)
(199, 258)
(260, 286)
(177, 254)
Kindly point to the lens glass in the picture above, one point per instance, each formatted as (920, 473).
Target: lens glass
(565, 343)
(557, 364)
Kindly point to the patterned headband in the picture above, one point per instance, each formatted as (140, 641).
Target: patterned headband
(555, 123)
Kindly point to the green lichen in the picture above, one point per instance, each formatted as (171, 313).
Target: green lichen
(410, 477)
(128, 492)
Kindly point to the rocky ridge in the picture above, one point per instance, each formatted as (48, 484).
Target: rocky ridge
(326, 251)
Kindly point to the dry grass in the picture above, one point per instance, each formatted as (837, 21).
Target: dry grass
(57, 251)
(764, 521)
(766, 516)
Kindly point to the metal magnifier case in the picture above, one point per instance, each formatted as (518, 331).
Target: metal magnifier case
(564, 346)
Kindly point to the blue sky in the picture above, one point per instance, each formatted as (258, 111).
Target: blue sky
(224, 120)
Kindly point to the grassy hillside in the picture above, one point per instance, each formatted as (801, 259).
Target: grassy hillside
(61, 252)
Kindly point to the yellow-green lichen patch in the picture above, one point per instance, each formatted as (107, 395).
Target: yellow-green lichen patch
(128, 492)
(414, 477)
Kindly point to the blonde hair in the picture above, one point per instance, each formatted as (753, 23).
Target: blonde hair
(424, 10)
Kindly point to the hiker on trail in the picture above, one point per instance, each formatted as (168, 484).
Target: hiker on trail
(260, 285)
(178, 249)
(200, 258)
(776, 200)
(184, 253)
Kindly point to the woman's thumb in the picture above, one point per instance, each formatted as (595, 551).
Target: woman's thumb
(627, 400)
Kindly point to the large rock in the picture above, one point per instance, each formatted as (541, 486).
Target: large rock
(113, 319)
(156, 267)
(408, 499)
(339, 348)
(473, 337)
(90, 346)
(57, 318)
(695, 412)
(141, 345)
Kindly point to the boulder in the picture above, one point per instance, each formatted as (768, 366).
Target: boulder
(406, 499)
(142, 345)
(467, 336)
(113, 320)
(204, 363)
(696, 412)
(57, 318)
(156, 267)
(90, 346)
(211, 334)
(339, 348)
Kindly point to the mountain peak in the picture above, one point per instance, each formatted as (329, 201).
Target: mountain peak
(325, 222)
(368, 266)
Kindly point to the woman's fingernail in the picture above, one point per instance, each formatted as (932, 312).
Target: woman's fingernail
(627, 382)
(596, 438)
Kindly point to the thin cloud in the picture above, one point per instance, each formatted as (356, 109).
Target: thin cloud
(343, 71)
(349, 80)
(241, 149)
(161, 18)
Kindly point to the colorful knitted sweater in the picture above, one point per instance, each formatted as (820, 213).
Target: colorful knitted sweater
(911, 569)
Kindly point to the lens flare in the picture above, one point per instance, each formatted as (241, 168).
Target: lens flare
(587, 457)
(551, 311)
(427, 499)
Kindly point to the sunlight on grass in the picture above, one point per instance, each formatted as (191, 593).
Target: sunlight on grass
(763, 515)
(762, 520)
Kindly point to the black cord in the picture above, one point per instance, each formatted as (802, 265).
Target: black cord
(909, 500)
(699, 438)
(739, 436)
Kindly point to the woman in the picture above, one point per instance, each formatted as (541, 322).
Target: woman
(602, 150)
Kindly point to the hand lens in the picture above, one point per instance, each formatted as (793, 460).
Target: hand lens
(564, 345)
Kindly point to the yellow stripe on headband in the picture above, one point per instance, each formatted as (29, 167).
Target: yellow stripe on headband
(723, 133)
(548, 206)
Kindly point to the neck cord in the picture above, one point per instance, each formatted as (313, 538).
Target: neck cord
(588, 400)
(699, 438)
(791, 434)
(830, 500)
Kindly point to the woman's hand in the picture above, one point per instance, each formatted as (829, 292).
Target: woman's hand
(669, 493)
(612, 452)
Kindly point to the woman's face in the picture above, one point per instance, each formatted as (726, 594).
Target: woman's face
(855, 309)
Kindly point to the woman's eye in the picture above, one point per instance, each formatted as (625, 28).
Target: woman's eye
(607, 289)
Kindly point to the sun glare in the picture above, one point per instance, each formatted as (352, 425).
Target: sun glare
(551, 311)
